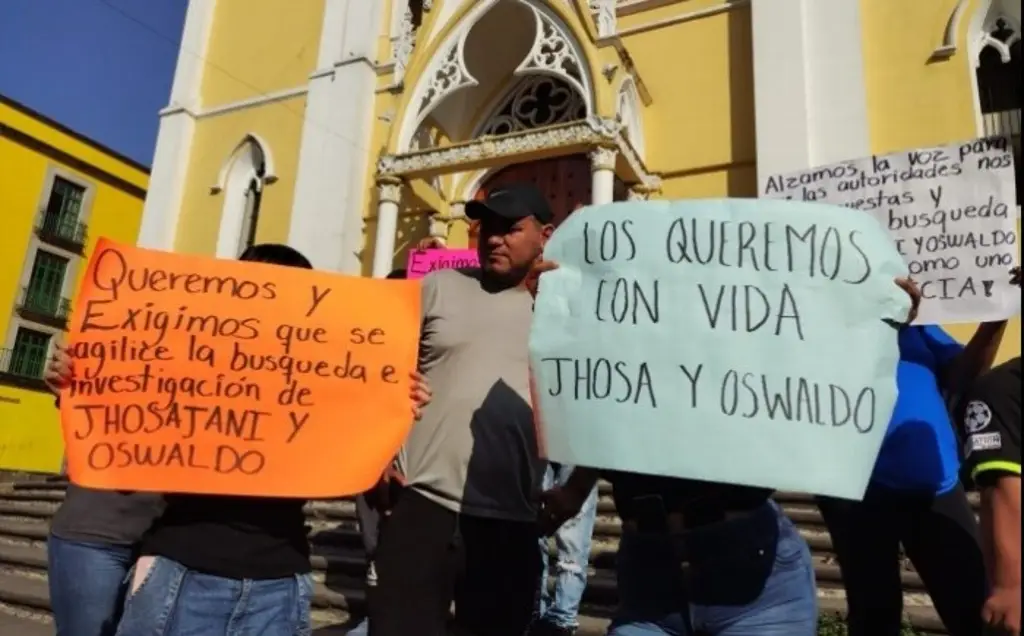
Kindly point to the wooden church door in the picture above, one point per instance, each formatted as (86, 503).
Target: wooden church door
(564, 180)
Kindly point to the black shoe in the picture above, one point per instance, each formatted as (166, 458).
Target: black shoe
(543, 628)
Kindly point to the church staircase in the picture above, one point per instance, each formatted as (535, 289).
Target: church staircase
(26, 508)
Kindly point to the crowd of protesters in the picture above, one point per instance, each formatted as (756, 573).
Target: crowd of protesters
(464, 515)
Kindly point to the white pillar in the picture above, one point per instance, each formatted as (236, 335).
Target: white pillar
(174, 140)
(334, 155)
(810, 100)
(602, 175)
(441, 225)
(456, 210)
(389, 194)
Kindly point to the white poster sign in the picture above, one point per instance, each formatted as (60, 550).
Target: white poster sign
(951, 211)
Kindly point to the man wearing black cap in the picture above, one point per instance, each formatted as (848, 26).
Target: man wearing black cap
(464, 527)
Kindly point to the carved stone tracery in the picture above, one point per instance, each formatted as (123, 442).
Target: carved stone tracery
(553, 53)
(604, 17)
(537, 101)
(403, 39)
(450, 75)
(1000, 36)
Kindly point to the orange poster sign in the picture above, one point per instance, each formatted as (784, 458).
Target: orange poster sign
(224, 377)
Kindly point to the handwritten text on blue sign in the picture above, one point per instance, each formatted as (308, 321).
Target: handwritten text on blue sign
(738, 341)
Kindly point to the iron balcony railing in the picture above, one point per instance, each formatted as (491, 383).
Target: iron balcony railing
(46, 304)
(54, 227)
(22, 363)
(1004, 122)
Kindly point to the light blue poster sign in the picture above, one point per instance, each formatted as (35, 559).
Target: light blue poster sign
(739, 341)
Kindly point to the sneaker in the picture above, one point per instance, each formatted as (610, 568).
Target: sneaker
(371, 575)
(544, 628)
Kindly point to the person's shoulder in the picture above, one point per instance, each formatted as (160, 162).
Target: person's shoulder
(999, 381)
(461, 277)
(994, 400)
(1007, 371)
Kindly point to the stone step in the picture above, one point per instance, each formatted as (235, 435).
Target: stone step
(338, 573)
(339, 565)
(335, 527)
(343, 569)
(55, 491)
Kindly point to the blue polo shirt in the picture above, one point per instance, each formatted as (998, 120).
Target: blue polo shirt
(919, 452)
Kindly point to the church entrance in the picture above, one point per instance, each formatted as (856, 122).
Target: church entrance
(565, 181)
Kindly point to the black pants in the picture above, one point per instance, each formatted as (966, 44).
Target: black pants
(428, 556)
(939, 535)
(369, 525)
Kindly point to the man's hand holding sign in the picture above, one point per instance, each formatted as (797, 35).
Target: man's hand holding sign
(711, 340)
(222, 377)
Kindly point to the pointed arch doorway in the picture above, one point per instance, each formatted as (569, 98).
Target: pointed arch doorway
(565, 181)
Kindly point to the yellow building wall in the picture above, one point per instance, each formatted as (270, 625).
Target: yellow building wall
(279, 124)
(259, 47)
(30, 437)
(914, 102)
(699, 131)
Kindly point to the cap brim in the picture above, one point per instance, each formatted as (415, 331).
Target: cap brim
(476, 210)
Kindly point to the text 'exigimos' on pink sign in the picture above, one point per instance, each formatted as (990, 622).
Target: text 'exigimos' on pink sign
(422, 262)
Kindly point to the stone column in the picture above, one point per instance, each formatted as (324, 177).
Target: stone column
(173, 152)
(389, 193)
(440, 224)
(335, 150)
(810, 101)
(602, 175)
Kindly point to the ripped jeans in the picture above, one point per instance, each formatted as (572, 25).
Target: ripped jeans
(561, 607)
(167, 599)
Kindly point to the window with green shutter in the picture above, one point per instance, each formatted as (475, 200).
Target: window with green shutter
(63, 209)
(44, 287)
(28, 358)
(65, 201)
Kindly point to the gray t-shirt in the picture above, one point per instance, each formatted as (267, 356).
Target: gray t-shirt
(474, 450)
(105, 516)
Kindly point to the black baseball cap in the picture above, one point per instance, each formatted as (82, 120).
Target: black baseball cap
(514, 201)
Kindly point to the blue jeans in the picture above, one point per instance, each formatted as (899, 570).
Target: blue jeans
(175, 601)
(87, 584)
(573, 543)
(734, 589)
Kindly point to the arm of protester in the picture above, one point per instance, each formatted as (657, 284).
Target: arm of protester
(59, 371)
(959, 365)
(430, 243)
(962, 365)
(909, 286)
(961, 368)
(419, 393)
(533, 278)
(1001, 520)
(564, 502)
(382, 496)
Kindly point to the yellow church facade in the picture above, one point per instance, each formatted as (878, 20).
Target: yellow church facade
(352, 129)
(59, 192)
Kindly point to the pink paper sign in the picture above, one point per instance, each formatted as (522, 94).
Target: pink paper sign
(422, 262)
